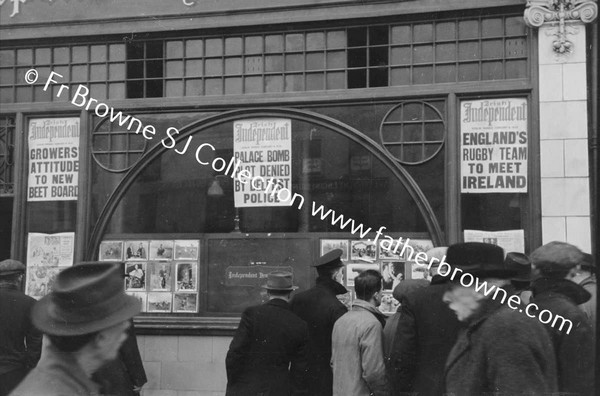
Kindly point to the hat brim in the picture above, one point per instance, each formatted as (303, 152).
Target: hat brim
(497, 273)
(45, 318)
(12, 272)
(522, 278)
(291, 288)
(338, 264)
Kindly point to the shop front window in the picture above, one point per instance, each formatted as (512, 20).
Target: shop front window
(175, 194)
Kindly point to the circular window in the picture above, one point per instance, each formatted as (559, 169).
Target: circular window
(413, 132)
(114, 148)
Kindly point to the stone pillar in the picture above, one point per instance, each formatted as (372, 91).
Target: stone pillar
(563, 117)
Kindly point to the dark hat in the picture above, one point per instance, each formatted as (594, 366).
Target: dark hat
(10, 267)
(85, 299)
(521, 264)
(556, 257)
(483, 260)
(280, 280)
(588, 261)
(330, 259)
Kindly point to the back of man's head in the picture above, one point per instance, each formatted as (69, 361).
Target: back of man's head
(327, 271)
(367, 283)
(556, 259)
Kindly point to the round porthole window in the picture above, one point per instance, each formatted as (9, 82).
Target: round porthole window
(116, 149)
(413, 132)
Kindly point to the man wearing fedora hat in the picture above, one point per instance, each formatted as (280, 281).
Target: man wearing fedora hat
(267, 355)
(501, 350)
(320, 309)
(555, 265)
(521, 281)
(20, 341)
(84, 319)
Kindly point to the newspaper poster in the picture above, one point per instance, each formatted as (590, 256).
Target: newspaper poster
(264, 149)
(53, 159)
(493, 145)
(50, 249)
(40, 280)
(509, 240)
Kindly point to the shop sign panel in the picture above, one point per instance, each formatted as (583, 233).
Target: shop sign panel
(53, 159)
(493, 146)
(264, 149)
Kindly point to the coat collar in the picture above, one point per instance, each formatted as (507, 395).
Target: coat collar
(278, 302)
(547, 287)
(358, 305)
(590, 280)
(330, 285)
(487, 308)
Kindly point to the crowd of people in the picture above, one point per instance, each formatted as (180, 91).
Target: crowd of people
(447, 338)
(77, 340)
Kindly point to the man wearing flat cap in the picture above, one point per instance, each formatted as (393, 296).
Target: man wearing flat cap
(267, 355)
(320, 309)
(20, 341)
(85, 319)
(555, 265)
(585, 276)
(500, 350)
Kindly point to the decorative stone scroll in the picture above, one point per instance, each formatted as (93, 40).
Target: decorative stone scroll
(560, 12)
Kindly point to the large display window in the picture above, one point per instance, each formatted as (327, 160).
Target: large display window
(168, 198)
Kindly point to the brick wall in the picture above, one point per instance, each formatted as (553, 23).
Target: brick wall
(184, 365)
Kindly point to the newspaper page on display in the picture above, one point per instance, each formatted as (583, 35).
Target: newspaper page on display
(509, 240)
(53, 159)
(264, 148)
(47, 255)
(493, 145)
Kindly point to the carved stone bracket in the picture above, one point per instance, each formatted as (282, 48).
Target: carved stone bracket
(560, 12)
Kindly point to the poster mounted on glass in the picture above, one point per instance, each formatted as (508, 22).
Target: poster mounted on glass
(135, 276)
(159, 302)
(393, 272)
(187, 249)
(161, 250)
(327, 245)
(143, 297)
(186, 277)
(389, 305)
(160, 276)
(136, 250)
(111, 251)
(185, 302)
(40, 280)
(365, 250)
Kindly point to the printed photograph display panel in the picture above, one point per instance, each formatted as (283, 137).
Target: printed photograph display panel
(157, 283)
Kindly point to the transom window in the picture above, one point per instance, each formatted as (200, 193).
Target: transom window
(483, 48)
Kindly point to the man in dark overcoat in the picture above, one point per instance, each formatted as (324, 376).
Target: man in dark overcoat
(267, 355)
(125, 375)
(501, 350)
(320, 309)
(20, 341)
(555, 264)
(426, 332)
